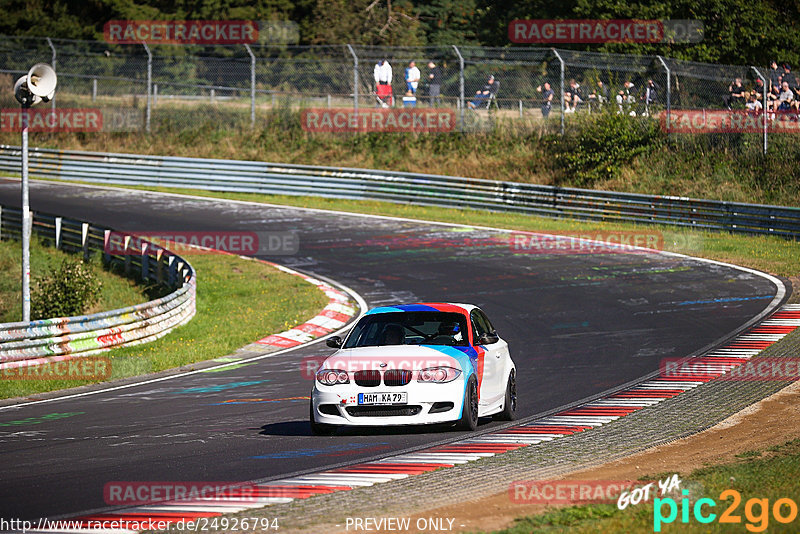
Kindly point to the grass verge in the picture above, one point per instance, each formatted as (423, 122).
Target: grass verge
(117, 292)
(238, 301)
(765, 475)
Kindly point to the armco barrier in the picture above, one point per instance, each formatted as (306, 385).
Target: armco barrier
(432, 190)
(23, 344)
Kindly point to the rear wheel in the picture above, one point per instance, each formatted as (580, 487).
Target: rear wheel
(469, 411)
(509, 412)
(319, 429)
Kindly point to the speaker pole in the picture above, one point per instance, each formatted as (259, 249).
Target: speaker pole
(26, 222)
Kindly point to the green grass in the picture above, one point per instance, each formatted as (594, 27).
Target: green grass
(770, 254)
(117, 292)
(769, 474)
(238, 302)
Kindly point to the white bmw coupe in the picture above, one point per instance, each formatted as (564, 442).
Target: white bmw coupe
(415, 364)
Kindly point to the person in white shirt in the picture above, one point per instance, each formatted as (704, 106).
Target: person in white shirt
(382, 73)
(383, 83)
(753, 104)
(412, 77)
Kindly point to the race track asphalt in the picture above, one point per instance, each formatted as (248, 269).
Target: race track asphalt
(577, 324)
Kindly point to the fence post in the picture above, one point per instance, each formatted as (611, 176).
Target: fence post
(52, 64)
(252, 85)
(1, 223)
(94, 89)
(561, 78)
(149, 85)
(764, 102)
(460, 85)
(355, 77)
(669, 90)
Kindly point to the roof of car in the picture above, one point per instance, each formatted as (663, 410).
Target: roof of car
(424, 306)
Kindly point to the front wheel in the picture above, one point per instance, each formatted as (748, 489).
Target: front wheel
(469, 411)
(319, 429)
(509, 412)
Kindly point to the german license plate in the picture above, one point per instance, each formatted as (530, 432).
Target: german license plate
(383, 398)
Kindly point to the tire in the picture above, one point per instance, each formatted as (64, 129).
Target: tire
(509, 412)
(319, 429)
(469, 410)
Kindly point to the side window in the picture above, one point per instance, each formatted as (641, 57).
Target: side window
(489, 326)
(478, 325)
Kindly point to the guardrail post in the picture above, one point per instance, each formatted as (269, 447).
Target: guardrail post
(764, 108)
(85, 240)
(126, 243)
(561, 78)
(149, 86)
(106, 244)
(160, 265)
(669, 90)
(58, 233)
(145, 261)
(252, 85)
(171, 270)
(355, 77)
(460, 85)
(52, 64)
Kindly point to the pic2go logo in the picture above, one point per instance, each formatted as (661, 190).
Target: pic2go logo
(756, 511)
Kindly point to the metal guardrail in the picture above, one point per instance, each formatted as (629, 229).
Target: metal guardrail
(424, 189)
(23, 344)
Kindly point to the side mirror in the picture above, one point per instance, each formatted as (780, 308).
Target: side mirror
(489, 339)
(334, 342)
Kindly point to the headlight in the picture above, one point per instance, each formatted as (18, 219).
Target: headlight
(331, 377)
(439, 375)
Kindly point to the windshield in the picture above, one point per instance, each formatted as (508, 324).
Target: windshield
(409, 328)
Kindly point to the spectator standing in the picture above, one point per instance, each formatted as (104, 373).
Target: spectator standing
(434, 83)
(383, 82)
(412, 77)
(626, 97)
(547, 98)
(788, 77)
(774, 75)
(649, 96)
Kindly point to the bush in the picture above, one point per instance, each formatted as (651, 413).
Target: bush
(598, 147)
(69, 290)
